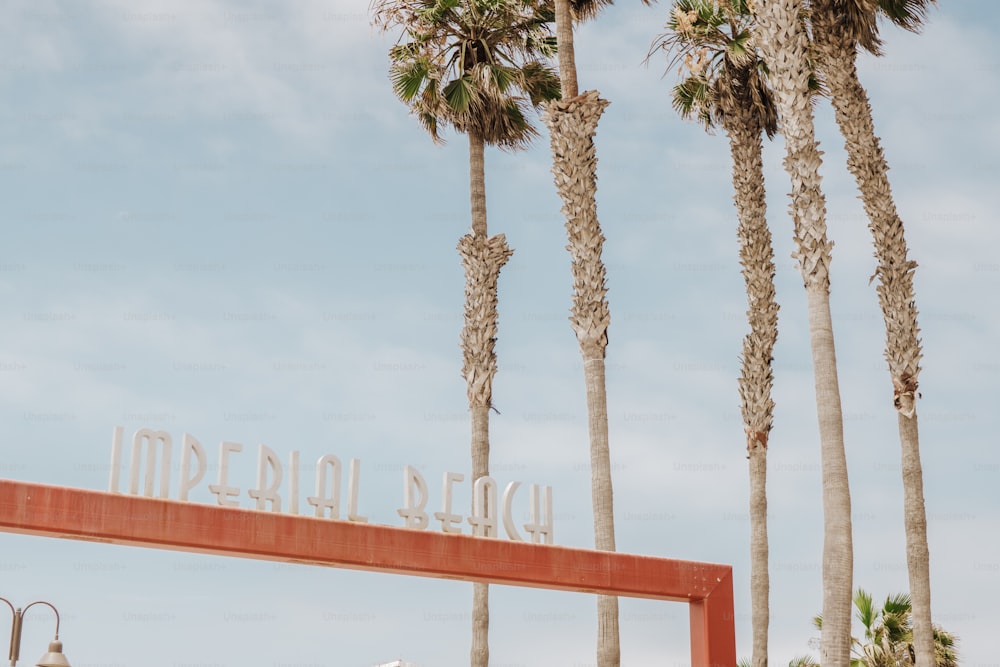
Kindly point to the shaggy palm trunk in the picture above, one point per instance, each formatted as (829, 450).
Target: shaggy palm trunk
(756, 381)
(895, 292)
(482, 259)
(572, 123)
(783, 43)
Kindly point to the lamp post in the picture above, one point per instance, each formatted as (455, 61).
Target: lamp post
(54, 657)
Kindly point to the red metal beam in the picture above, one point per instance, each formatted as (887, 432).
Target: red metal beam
(709, 646)
(54, 511)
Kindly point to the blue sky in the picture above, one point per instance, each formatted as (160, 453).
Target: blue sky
(218, 220)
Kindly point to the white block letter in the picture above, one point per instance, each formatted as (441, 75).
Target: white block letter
(321, 501)
(151, 437)
(484, 507)
(412, 511)
(353, 481)
(293, 483)
(267, 460)
(222, 490)
(116, 459)
(447, 519)
(540, 525)
(189, 445)
(508, 516)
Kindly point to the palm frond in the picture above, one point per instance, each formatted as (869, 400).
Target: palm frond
(430, 123)
(693, 99)
(907, 14)
(540, 82)
(500, 77)
(740, 49)
(584, 10)
(459, 93)
(866, 612)
(897, 604)
(408, 78)
(945, 651)
(437, 11)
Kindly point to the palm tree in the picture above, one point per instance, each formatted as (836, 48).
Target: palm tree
(572, 123)
(889, 637)
(839, 28)
(886, 630)
(726, 85)
(803, 661)
(474, 65)
(783, 42)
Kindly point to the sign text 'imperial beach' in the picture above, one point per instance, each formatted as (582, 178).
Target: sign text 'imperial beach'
(485, 518)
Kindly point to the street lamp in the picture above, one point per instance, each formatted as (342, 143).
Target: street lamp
(54, 657)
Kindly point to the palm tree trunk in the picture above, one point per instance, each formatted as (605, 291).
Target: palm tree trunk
(608, 639)
(572, 124)
(760, 581)
(477, 182)
(866, 162)
(756, 381)
(783, 43)
(566, 50)
(838, 549)
(482, 259)
(917, 552)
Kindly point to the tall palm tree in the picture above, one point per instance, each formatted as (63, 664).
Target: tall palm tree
(726, 85)
(782, 37)
(474, 65)
(572, 123)
(839, 28)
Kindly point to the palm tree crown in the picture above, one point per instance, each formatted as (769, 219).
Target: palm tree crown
(726, 78)
(473, 65)
(859, 18)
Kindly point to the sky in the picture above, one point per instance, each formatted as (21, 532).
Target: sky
(218, 220)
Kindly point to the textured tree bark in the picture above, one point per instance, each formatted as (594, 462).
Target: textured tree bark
(477, 182)
(566, 50)
(608, 642)
(756, 380)
(783, 43)
(482, 259)
(572, 124)
(760, 582)
(917, 551)
(480, 652)
(838, 548)
(867, 164)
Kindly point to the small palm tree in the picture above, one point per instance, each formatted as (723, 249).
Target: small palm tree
(888, 639)
(477, 66)
(803, 661)
(726, 85)
(840, 27)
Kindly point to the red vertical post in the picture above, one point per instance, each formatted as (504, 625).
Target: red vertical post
(713, 627)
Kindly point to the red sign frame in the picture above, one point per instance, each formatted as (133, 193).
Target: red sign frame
(56, 511)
